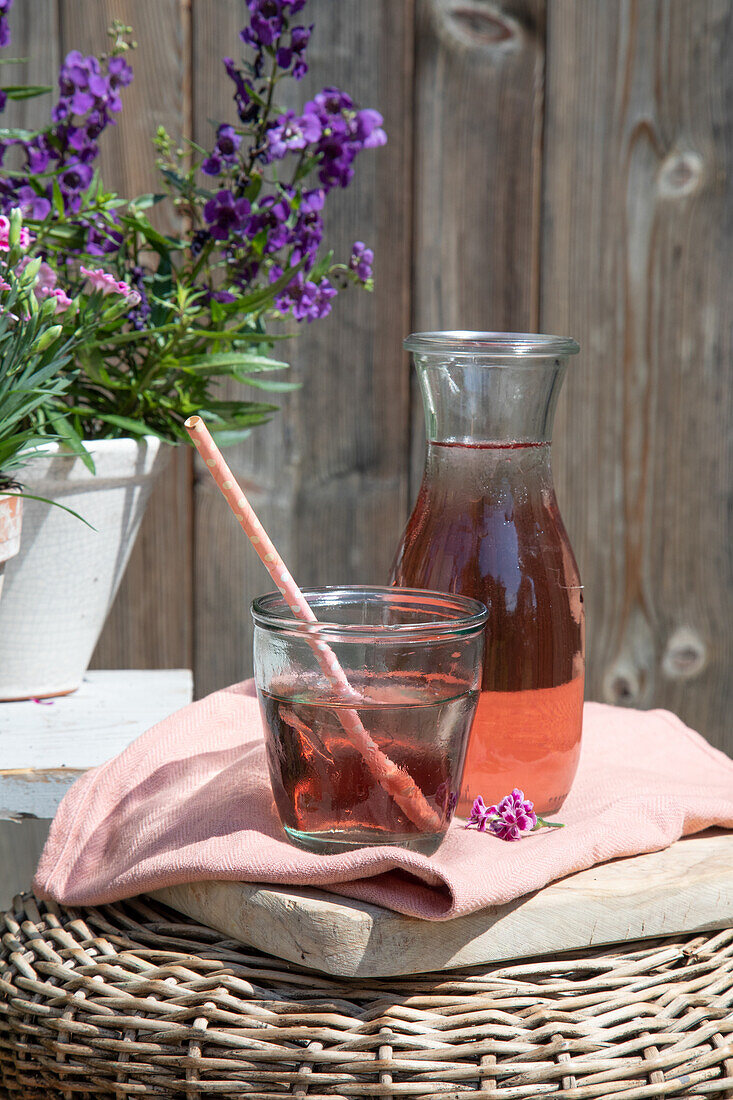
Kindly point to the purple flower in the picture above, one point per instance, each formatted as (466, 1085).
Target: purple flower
(271, 216)
(212, 165)
(101, 238)
(246, 108)
(509, 820)
(224, 152)
(5, 6)
(294, 53)
(306, 300)
(368, 129)
(31, 203)
(307, 233)
(291, 133)
(344, 133)
(200, 238)
(227, 143)
(226, 215)
(119, 72)
(72, 181)
(268, 20)
(331, 101)
(138, 315)
(361, 261)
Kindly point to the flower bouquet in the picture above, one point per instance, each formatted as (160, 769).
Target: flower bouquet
(180, 313)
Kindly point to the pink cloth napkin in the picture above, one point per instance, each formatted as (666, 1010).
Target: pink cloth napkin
(190, 800)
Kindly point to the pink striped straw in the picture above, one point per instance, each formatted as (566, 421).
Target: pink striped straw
(394, 779)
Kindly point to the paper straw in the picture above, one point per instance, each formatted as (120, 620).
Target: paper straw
(394, 779)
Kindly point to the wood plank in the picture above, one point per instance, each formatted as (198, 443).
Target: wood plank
(41, 64)
(328, 474)
(479, 79)
(46, 747)
(687, 887)
(637, 232)
(150, 622)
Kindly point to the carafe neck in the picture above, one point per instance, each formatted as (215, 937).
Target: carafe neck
(485, 401)
(490, 387)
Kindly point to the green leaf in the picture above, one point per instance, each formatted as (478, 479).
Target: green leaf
(58, 199)
(272, 384)
(321, 268)
(161, 244)
(45, 500)
(228, 437)
(62, 427)
(26, 91)
(136, 427)
(144, 202)
(14, 133)
(241, 334)
(253, 188)
(231, 359)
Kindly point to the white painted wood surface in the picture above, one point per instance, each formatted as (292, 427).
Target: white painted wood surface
(686, 887)
(44, 748)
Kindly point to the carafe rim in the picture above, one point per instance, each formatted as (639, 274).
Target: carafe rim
(503, 345)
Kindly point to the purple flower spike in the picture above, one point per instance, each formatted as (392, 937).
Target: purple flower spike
(361, 261)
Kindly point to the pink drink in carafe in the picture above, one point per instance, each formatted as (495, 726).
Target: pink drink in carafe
(486, 524)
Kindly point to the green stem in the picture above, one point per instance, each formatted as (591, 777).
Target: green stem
(550, 824)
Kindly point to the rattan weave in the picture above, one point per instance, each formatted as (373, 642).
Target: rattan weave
(132, 1000)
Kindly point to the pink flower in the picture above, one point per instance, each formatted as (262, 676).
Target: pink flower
(513, 816)
(25, 236)
(102, 280)
(45, 280)
(509, 820)
(63, 301)
(4, 286)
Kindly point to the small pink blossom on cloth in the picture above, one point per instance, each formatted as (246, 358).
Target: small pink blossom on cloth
(104, 281)
(512, 818)
(190, 800)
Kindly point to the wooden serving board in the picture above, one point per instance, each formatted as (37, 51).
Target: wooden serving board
(687, 887)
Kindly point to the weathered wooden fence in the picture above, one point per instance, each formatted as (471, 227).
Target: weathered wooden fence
(553, 165)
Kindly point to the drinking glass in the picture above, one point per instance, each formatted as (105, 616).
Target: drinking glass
(380, 761)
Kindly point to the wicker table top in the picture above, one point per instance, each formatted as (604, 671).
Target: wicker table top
(131, 999)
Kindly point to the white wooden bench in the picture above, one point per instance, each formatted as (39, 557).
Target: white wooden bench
(45, 746)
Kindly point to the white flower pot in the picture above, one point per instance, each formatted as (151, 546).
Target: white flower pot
(11, 518)
(60, 586)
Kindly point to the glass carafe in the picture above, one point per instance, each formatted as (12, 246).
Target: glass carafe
(486, 524)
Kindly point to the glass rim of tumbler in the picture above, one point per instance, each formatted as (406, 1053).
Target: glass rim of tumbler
(460, 616)
(504, 345)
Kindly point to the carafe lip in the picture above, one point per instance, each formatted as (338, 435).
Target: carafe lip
(504, 345)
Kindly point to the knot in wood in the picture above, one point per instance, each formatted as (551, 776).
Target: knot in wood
(480, 24)
(680, 174)
(685, 655)
(622, 687)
